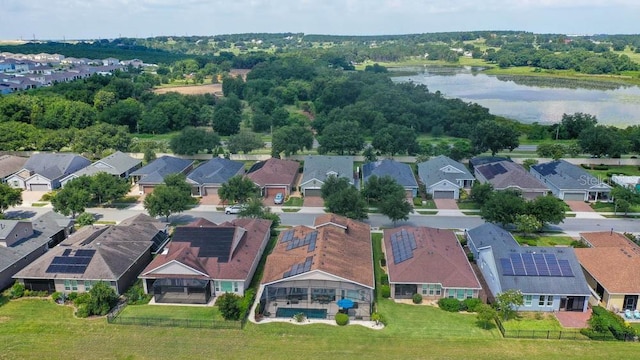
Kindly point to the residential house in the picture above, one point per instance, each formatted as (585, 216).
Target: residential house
(9, 165)
(400, 172)
(317, 168)
(117, 164)
(43, 172)
(507, 175)
(430, 262)
(207, 178)
(274, 176)
(610, 265)
(571, 182)
(22, 242)
(153, 174)
(320, 270)
(481, 160)
(204, 260)
(115, 254)
(550, 278)
(444, 177)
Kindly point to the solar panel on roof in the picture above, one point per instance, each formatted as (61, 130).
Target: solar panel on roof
(541, 265)
(565, 267)
(529, 265)
(507, 268)
(85, 253)
(66, 252)
(518, 266)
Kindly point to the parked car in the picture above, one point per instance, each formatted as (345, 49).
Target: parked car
(279, 199)
(234, 209)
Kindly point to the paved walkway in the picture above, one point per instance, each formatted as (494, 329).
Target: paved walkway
(579, 206)
(573, 319)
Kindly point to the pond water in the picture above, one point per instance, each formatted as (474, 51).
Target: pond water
(529, 99)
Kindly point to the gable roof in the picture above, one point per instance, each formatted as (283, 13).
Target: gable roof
(114, 164)
(506, 174)
(345, 253)
(55, 165)
(155, 171)
(319, 167)
(215, 171)
(613, 260)
(564, 175)
(438, 257)
(432, 171)
(114, 250)
(400, 172)
(274, 172)
(9, 164)
(226, 251)
(502, 245)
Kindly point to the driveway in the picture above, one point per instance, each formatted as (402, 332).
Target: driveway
(210, 200)
(446, 204)
(313, 201)
(579, 206)
(29, 197)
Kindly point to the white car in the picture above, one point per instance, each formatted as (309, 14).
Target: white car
(234, 209)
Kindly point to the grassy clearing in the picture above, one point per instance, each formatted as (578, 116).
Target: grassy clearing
(544, 240)
(172, 312)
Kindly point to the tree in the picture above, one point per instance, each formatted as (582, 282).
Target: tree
(503, 207)
(395, 139)
(480, 193)
(622, 205)
(229, 306)
(95, 139)
(9, 197)
(85, 219)
(369, 154)
(255, 208)
(108, 188)
(547, 209)
(603, 141)
(238, 189)
(494, 136)
(485, 315)
(377, 188)
(528, 163)
(332, 185)
(226, 121)
(347, 202)
(245, 141)
(572, 125)
(340, 137)
(102, 298)
(396, 207)
(127, 112)
(631, 196)
(291, 139)
(551, 150)
(507, 300)
(171, 197)
(71, 201)
(527, 224)
(191, 140)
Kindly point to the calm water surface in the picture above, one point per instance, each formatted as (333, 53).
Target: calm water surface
(529, 99)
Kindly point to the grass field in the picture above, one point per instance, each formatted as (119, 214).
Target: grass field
(528, 321)
(171, 312)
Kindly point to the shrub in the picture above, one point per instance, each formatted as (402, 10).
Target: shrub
(383, 262)
(228, 303)
(472, 304)
(342, 319)
(72, 296)
(102, 298)
(80, 299)
(85, 219)
(447, 304)
(135, 294)
(48, 196)
(470, 257)
(384, 279)
(245, 302)
(417, 298)
(83, 311)
(299, 317)
(56, 296)
(604, 324)
(376, 317)
(417, 201)
(385, 291)
(16, 291)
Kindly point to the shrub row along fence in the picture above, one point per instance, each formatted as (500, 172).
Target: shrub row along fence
(541, 334)
(185, 323)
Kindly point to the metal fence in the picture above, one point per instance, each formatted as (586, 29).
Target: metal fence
(185, 323)
(555, 334)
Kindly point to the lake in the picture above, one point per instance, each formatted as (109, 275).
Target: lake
(529, 99)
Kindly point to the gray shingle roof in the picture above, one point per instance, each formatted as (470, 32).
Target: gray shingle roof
(320, 167)
(114, 164)
(430, 172)
(401, 172)
(155, 172)
(55, 165)
(565, 176)
(506, 174)
(9, 164)
(215, 171)
(503, 244)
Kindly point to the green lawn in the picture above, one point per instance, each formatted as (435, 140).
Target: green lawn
(528, 321)
(610, 207)
(544, 240)
(468, 205)
(430, 204)
(294, 201)
(172, 312)
(630, 170)
(426, 212)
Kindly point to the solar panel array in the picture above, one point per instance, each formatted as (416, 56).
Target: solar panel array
(299, 268)
(70, 263)
(490, 171)
(402, 245)
(295, 242)
(529, 264)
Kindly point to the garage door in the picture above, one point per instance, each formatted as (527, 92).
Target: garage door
(531, 194)
(210, 191)
(39, 187)
(312, 192)
(147, 189)
(274, 191)
(409, 194)
(574, 196)
(444, 194)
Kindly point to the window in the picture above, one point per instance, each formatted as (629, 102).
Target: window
(67, 285)
(74, 285)
(431, 289)
(226, 286)
(425, 289)
(235, 286)
(87, 285)
(460, 294)
(528, 300)
(550, 300)
(216, 285)
(469, 294)
(541, 300)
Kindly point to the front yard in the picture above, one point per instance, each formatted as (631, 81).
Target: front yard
(544, 240)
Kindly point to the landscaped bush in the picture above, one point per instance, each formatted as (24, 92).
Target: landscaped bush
(604, 323)
(417, 201)
(471, 305)
(342, 319)
(72, 296)
(383, 262)
(299, 317)
(385, 291)
(244, 303)
(48, 196)
(32, 293)
(16, 291)
(85, 219)
(56, 296)
(470, 257)
(384, 279)
(451, 305)
(82, 311)
(417, 298)
(228, 303)
(135, 294)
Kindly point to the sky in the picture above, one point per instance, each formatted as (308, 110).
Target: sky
(107, 19)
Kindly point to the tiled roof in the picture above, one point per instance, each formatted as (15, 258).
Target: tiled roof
(10, 164)
(155, 172)
(438, 258)
(430, 171)
(320, 166)
(274, 172)
(114, 164)
(55, 165)
(400, 172)
(343, 253)
(612, 260)
(215, 171)
(507, 174)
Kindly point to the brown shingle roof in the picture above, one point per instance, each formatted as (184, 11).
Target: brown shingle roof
(275, 172)
(10, 164)
(612, 260)
(342, 253)
(253, 232)
(438, 258)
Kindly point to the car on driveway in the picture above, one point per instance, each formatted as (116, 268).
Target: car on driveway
(279, 199)
(234, 209)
